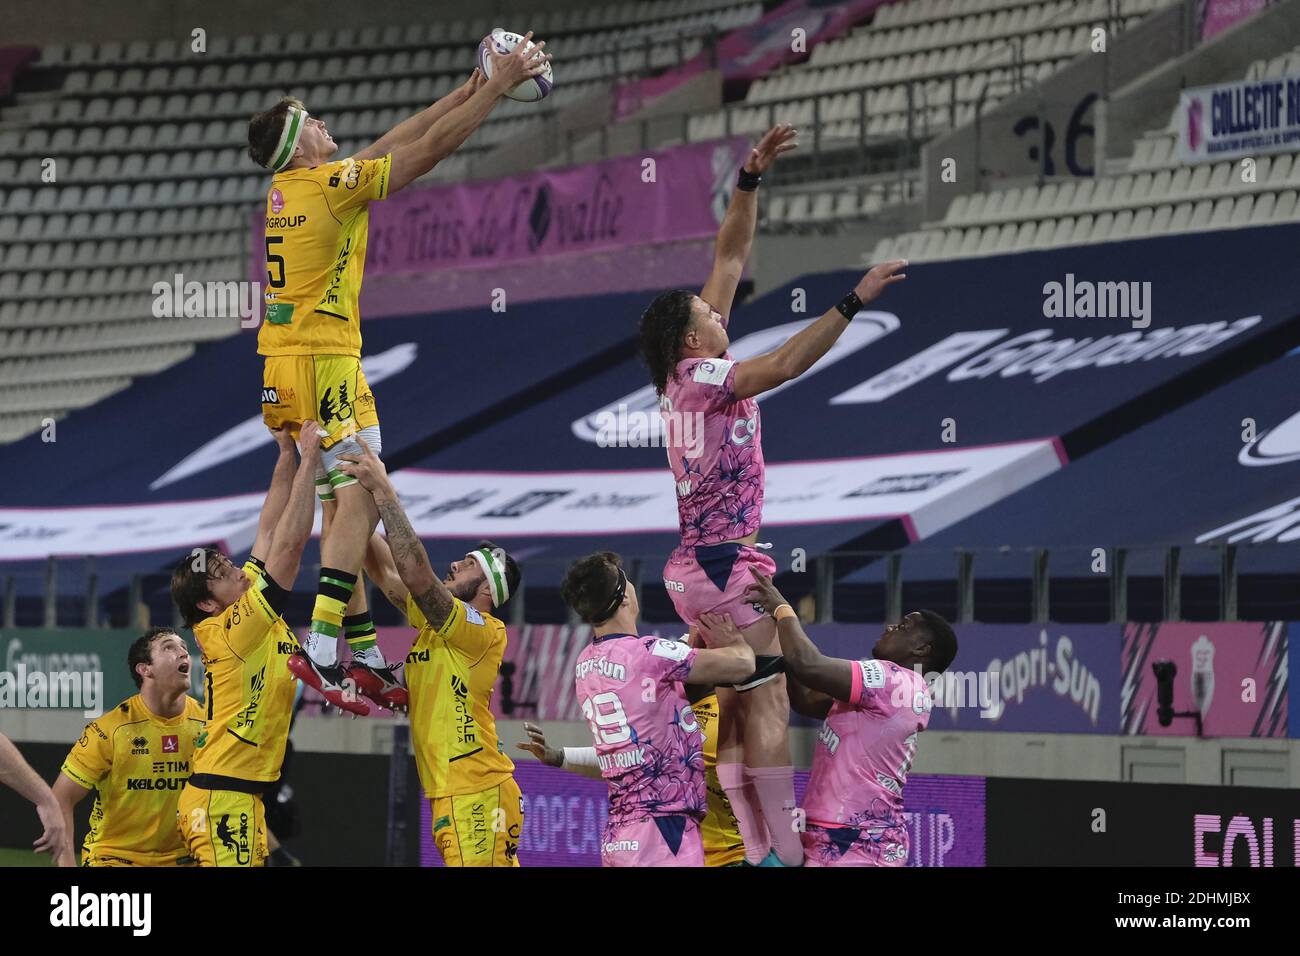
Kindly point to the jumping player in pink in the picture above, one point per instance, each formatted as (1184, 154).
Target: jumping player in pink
(647, 742)
(874, 709)
(718, 469)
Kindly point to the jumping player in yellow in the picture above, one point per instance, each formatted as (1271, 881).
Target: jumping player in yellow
(246, 645)
(450, 672)
(317, 215)
(137, 756)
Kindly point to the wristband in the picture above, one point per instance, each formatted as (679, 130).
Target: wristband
(748, 181)
(580, 757)
(849, 306)
(782, 611)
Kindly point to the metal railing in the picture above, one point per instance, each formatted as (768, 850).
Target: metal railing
(818, 583)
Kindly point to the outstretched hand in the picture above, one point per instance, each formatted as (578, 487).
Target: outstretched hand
(764, 592)
(779, 139)
(525, 61)
(880, 278)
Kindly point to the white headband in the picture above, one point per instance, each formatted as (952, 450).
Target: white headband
(495, 571)
(294, 122)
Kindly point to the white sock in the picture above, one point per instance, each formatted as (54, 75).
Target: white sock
(322, 649)
(372, 656)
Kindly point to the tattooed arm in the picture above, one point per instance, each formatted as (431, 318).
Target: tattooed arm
(412, 561)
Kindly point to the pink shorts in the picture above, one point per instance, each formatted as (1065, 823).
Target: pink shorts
(653, 841)
(845, 846)
(712, 579)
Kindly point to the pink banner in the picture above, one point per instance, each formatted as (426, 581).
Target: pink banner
(1235, 675)
(665, 196)
(1218, 15)
(623, 224)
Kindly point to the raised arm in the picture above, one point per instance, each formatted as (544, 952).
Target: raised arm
(581, 760)
(736, 235)
(412, 128)
(800, 351)
(68, 793)
(18, 775)
(284, 553)
(411, 560)
(383, 571)
(277, 495)
(444, 136)
(809, 666)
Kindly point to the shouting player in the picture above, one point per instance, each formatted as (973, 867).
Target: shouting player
(874, 710)
(450, 672)
(317, 215)
(647, 740)
(246, 646)
(137, 756)
(719, 477)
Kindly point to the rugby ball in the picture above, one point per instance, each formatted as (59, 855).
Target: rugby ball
(503, 41)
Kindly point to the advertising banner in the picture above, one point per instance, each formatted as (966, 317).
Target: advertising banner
(1087, 823)
(1234, 674)
(565, 813)
(1246, 118)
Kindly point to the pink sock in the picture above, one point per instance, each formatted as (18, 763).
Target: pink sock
(775, 789)
(744, 804)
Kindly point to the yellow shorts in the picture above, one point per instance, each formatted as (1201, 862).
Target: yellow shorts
(107, 858)
(222, 827)
(480, 829)
(329, 389)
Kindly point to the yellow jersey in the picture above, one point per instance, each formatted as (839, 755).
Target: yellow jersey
(719, 832)
(248, 690)
(317, 220)
(138, 763)
(450, 673)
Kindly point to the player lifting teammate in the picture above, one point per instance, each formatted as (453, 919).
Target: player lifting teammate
(137, 757)
(317, 214)
(720, 494)
(246, 645)
(874, 709)
(647, 741)
(450, 670)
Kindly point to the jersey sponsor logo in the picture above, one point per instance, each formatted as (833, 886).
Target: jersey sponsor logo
(873, 674)
(828, 738)
(170, 744)
(473, 616)
(277, 201)
(285, 222)
(248, 716)
(171, 766)
(271, 396)
(623, 759)
(418, 657)
(606, 668)
(155, 783)
(889, 783)
(466, 728)
(478, 828)
(674, 586)
(743, 430)
(234, 840)
(672, 650)
(621, 846)
(335, 405)
(139, 745)
(713, 372)
(287, 648)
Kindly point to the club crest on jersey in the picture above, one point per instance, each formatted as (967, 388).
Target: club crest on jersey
(277, 201)
(713, 372)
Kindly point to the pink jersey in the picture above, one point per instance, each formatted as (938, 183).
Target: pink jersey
(715, 449)
(864, 751)
(649, 746)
